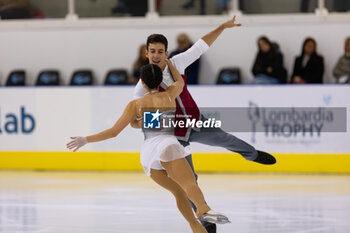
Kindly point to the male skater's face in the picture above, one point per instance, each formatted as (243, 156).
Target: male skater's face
(156, 54)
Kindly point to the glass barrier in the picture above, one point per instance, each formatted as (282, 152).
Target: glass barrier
(29, 9)
(22, 9)
(51, 9)
(277, 6)
(111, 8)
(192, 7)
(338, 5)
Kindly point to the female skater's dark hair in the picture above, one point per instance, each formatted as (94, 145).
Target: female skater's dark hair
(151, 75)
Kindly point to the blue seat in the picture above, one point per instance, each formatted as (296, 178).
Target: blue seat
(116, 77)
(48, 78)
(16, 78)
(82, 78)
(229, 76)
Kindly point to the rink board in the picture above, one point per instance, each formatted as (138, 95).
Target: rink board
(203, 162)
(36, 123)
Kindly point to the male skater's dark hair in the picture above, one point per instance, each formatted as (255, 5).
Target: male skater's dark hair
(157, 38)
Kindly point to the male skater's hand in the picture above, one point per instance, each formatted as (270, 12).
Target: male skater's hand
(231, 23)
(213, 35)
(76, 143)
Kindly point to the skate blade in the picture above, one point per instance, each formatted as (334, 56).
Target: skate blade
(217, 219)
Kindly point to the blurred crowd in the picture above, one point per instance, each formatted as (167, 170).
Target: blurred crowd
(22, 9)
(308, 67)
(19, 9)
(268, 66)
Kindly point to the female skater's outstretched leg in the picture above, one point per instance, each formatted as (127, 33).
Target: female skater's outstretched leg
(161, 178)
(180, 171)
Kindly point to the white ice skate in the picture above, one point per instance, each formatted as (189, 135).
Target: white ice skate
(214, 217)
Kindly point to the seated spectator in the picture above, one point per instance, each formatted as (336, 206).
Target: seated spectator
(223, 6)
(304, 6)
(341, 5)
(191, 4)
(36, 13)
(140, 61)
(308, 67)
(14, 9)
(341, 70)
(130, 7)
(268, 66)
(192, 71)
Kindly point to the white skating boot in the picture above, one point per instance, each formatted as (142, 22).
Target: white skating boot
(214, 217)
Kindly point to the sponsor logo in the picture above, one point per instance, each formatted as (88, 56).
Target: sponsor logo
(289, 122)
(15, 123)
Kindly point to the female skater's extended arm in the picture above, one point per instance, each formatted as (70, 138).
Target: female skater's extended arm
(128, 115)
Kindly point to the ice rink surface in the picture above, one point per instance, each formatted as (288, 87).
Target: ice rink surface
(108, 202)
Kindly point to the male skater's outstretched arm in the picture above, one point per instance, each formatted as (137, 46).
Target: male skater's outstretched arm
(184, 59)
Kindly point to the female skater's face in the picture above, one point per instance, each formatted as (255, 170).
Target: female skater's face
(156, 54)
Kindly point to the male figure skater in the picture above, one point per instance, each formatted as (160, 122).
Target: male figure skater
(157, 53)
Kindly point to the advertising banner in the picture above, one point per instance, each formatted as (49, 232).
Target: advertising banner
(283, 119)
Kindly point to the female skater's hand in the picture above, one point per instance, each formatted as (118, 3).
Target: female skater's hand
(76, 143)
(168, 62)
(231, 23)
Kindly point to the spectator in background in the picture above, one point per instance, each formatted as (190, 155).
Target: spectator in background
(304, 6)
(192, 71)
(36, 13)
(14, 9)
(223, 6)
(140, 61)
(341, 5)
(242, 6)
(190, 4)
(308, 67)
(120, 8)
(341, 70)
(131, 7)
(268, 66)
(338, 5)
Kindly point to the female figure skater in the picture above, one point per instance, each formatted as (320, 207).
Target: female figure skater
(162, 156)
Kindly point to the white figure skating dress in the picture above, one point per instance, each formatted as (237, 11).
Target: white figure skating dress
(160, 145)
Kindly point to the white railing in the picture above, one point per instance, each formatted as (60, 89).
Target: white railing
(152, 12)
(71, 10)
(321, 9)
(320, 15)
